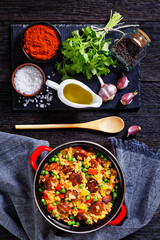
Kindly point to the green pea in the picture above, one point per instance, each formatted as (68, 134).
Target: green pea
(66, 201)
(71, 217)
(73, 160)
(80, 186)
(63, 190)
(116, 187)
(77, 223)
(73, 223)
(102, 156)
(82, 168)
(54, 155)
(110, 166)
(58, 153)
(57, 192)
(95, 155)
(91, 176)
(57, 160)
(113, 190)
(54, 204)
(95, 199)
(87, 209)
(75, 208)
(57, 202)
(88, 220)
(86, 174)
(100, 186)
(69, 158)
(58, 177)
(87, 197)
(64, 156)
(86, 166)
(40, 189)
(85, 170)
(114, 194)
(111, 204)
(52, 159)
(52, 174)
(98, 153)
(61, 164)
(105, 159)
(43, 172)
(56, 215)
(46, 172)
(103, 182)
(43, 201)
(69, 223)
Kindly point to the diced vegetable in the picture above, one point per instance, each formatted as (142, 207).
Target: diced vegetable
(92, 171)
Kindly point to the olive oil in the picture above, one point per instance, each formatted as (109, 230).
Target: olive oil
(75, 93)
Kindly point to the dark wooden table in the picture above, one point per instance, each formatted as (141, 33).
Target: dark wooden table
(147, 14)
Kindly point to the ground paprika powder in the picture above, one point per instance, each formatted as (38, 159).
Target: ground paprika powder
(41, 42)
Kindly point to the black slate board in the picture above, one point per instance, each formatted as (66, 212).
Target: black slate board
(18, 58)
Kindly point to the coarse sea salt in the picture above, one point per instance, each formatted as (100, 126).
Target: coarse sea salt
(42, 100)
(28, 80)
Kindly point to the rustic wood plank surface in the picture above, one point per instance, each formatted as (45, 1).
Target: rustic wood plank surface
(147, 14)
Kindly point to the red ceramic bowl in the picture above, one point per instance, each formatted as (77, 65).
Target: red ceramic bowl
(118, 208)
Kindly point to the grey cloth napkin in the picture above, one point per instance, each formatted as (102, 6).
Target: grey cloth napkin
(20, 215)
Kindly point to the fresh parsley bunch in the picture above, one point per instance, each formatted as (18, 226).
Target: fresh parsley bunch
(87, 53)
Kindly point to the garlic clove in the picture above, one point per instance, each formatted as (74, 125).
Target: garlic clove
(133, 130)
(127, 98)
(107, 92)
(122, 82)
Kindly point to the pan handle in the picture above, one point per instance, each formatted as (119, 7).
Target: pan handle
(36, 153)
(120, 217)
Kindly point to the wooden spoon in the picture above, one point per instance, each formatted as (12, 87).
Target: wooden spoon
(108, 124)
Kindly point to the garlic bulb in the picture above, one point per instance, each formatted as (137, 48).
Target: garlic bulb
(107, 92)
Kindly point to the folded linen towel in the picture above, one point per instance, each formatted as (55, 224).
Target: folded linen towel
(20, 215)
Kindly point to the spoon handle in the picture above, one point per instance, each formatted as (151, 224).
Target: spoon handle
(50, 126)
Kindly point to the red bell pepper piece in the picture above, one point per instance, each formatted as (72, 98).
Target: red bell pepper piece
(81, 211)
(45, 195)
(59, 186)
(92, 171)
(61, 195)
(50, 207)
(56, 166)
(89, 201)
(77, 147)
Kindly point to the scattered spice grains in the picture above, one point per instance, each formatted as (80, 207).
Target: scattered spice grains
(28, 80)
(42, 100)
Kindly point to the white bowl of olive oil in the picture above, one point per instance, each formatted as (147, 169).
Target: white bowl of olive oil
(75, 94)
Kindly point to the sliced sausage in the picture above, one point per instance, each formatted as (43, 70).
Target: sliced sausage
(63, 207)
(96, 208)
(67, 170)
(99, 160)
(50, 166)
(92, 185)
(71, 194)
(50, 183)
(81, 152)
(81, 217)
(93, 163)
(75, 178)
(107, 198)
(43, 178)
